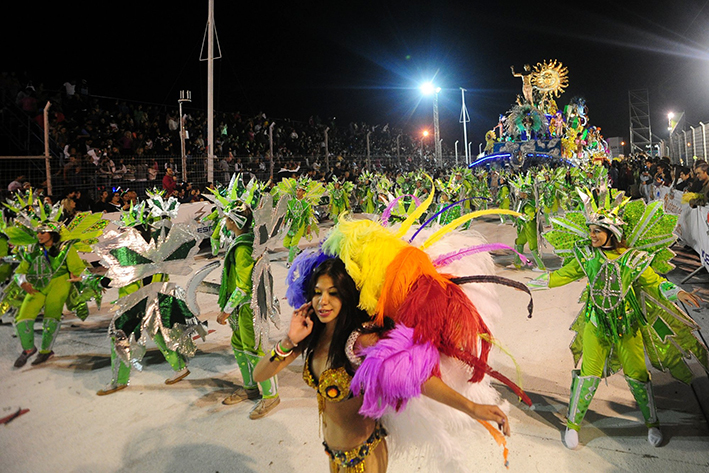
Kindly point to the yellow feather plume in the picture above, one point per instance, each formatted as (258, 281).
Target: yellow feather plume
(461, 220)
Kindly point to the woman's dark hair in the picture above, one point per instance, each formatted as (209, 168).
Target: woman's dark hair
(613, 241)
(54, 249)
(350, 318)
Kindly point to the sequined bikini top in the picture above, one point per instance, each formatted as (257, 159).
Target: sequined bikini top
(334, 384)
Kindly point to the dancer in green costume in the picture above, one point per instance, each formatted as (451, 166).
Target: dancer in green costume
(527, 226)
(628, 307)
(45, 274)
(300, 219)
(235, 303)
(249, 225)
(339, 193)
(49, 265)
(139, 260)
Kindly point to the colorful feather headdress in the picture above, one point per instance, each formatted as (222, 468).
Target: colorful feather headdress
(400, 281)
(603, 208)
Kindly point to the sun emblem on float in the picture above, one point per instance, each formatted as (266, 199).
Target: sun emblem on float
(550, 78)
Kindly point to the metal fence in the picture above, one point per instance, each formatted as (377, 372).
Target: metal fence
(686, 146)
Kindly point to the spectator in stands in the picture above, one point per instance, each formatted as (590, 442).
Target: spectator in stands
(115, 204)
(129, 197)
(16, 185)
(102, 203)
(684, 179)
(126, 143)
(68, 209)
(702, 172)
(169, 183)
(225, 169)
(696, 184)
(71, 172)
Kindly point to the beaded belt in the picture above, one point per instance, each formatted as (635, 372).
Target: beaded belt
(353, 460)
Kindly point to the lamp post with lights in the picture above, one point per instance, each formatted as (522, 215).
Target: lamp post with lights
(424, 135)
(429, 89)
(670, 116)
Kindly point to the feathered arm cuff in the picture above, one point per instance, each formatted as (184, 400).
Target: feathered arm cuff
(237, 298)
(669, 290)
(393, 371)
(539, 283)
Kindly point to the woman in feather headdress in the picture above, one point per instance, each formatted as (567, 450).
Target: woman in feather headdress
(374, 323)
(629, 309)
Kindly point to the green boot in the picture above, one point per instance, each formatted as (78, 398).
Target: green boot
(518, 261)
(538, 260)
(25, 332)
(643, 394)
(269, 388)
(176, 360)
(120, 373)
(246, 367)
(583, 388)
(50, 329)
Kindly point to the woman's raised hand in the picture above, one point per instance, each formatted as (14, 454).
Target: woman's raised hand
(301, 324)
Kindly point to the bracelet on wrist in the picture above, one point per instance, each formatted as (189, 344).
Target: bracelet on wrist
(275, 356)
(280, 352)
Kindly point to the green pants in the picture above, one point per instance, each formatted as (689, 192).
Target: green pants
(121, 371)
(528, 234)
(247, 354)
(52, 299)
(630, 351)
(291, 242)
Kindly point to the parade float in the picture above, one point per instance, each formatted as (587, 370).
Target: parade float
(535, 127)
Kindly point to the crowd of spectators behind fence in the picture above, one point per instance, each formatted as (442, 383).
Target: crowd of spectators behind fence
(102, 144)
(108, 151)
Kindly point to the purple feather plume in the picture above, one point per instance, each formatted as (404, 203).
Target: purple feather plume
(393, 371)
(387, 212)
(448, 258)
(299, 275)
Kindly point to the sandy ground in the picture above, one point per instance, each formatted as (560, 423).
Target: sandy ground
(157, 428)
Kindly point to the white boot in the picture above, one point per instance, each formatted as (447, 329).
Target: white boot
(571, 438)
(654, 436)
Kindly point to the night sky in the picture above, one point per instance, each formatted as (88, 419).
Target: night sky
(364, 61)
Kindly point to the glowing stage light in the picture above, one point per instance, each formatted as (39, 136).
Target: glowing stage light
(429, 89)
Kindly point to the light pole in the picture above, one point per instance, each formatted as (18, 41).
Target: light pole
(185, 96)
(398, 148)
(464, 119)
(670, 116)
(270, 148)
(327, 150)
(369, 157)
(427, 89)
(456, 153)
(423, 135)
